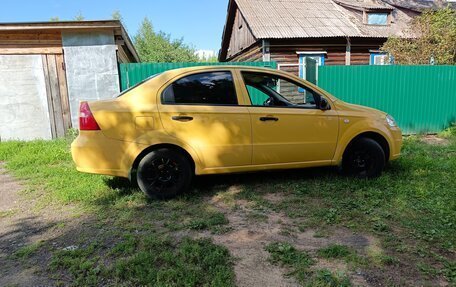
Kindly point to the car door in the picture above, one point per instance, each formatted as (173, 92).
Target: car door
(287, 124)
(203, 110)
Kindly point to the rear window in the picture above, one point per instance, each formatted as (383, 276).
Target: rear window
(214, 88)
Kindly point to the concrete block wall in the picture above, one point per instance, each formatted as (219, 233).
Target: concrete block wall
(24, 113)
(91, 68)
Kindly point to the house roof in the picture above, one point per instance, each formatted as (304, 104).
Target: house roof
(363, 5)
(273, 19)
(114, 25)
(420, 5)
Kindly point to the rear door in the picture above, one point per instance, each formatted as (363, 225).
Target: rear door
(203, 110)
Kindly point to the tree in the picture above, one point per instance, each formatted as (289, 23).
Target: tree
(55, 19)
(433, 38)
(159, 47)
(117, 16)
(79, 17)
(212, 59)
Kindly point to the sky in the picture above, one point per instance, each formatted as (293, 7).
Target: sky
(200, 22)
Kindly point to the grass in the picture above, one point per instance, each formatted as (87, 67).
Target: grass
(335, 251)
(144, 253)
(411, 208)
(190, 263)
(300, 263)
(48, 165)
(151, 260)
(28, 250)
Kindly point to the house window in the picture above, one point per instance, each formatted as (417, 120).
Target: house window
(377, 18)
(317, 56)
(379, 58)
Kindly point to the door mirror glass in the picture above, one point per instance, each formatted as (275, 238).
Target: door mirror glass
(324, 104)
(270, 102)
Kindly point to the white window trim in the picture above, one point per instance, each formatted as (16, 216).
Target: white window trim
(311, 52)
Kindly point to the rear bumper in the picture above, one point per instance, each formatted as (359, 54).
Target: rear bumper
(92, 152)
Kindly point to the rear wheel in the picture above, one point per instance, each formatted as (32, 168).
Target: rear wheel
(364, 158)
(164, 173)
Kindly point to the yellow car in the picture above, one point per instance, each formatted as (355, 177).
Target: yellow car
(228, 119)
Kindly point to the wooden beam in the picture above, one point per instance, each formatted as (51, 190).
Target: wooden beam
(112, 24)
(30, 50)
(55, 96)
(63, 92)
(49, 96)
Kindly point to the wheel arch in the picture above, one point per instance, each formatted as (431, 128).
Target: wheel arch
(377, 137)
(151, 148)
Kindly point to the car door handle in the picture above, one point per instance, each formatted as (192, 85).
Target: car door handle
(182, 118)
(266, 119)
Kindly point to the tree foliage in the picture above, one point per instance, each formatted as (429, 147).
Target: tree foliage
(117, 16)
(433, 37)
(159, 47)
(79, 17)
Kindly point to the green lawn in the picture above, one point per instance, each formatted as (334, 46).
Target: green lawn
(411, 209)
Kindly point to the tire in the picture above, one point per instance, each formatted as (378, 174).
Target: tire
(364, 158)
(164, 173)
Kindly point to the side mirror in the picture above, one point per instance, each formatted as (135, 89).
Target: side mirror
(324, 104)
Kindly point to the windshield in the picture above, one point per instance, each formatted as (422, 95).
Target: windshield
(138, 84)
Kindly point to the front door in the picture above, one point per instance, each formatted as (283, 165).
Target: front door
(287, 124)
(203, 111)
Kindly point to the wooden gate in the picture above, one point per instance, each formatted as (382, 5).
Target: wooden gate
(57, 94)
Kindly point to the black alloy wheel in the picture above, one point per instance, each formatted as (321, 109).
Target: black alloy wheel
(164, 173)
(364, 158)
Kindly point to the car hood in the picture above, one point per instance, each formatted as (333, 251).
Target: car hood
(358, 109)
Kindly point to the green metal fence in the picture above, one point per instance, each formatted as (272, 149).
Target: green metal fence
(421, 98)
(131, 74)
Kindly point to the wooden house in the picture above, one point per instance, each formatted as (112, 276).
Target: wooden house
(332, 32)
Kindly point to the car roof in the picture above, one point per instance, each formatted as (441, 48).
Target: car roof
(219, 67)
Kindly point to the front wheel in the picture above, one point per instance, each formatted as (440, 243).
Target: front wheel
(164, 173)
(364, 158)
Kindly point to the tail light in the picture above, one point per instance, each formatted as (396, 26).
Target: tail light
(87, 121)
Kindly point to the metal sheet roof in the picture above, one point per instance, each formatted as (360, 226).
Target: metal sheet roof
(274, 19)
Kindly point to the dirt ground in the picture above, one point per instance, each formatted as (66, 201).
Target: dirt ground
(22, 224)
(247, 242)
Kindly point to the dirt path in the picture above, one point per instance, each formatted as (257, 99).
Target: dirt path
(248, 238)
(9, 187)
(21, 227)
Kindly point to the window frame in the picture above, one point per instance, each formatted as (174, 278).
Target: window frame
(292, 106)
(376, 54)
(302, 55)
(368, 13)
(171, 82)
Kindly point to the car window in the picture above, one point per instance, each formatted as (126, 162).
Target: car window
(271, 90)
(214, 88)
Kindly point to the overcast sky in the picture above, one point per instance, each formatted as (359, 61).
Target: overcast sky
(200, 22)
